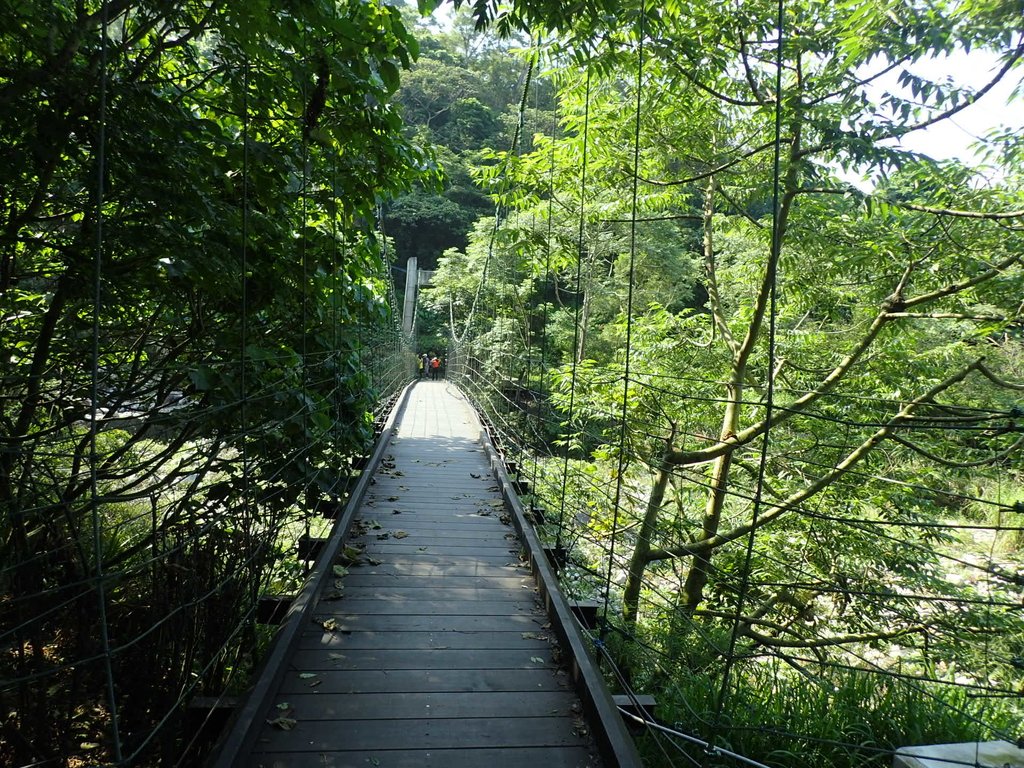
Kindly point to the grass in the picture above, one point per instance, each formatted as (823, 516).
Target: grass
(850, 719)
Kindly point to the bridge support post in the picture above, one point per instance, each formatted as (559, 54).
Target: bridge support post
(409, 305)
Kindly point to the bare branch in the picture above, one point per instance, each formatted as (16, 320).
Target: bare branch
(1010, 62)
(988, 460)
(709, 173)
(825, 642)
(709, 90)
(946, 316)
(953, 288)
(990, 216)
(775, 641)
(985, 371)
(749, 73)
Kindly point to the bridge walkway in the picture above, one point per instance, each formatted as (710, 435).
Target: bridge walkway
(428, 643)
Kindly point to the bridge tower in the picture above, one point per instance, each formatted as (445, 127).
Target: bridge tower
(415, 278)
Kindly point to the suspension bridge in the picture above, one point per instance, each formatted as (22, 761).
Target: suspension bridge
(231, 528)
(432, 631)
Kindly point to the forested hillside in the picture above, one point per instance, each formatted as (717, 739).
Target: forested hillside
(462, 98)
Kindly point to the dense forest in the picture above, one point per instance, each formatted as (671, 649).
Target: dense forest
(196, 325)
(760, 361)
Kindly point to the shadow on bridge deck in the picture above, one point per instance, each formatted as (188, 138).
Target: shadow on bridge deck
(433, 645)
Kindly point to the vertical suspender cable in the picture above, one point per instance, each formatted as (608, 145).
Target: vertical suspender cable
(497, 208)
(617, 504)
(771, 278)
(576, 318)
(542, 388)
(303, 256)
(94, 505)
(518, 405)
(335, 356)
(243, 379)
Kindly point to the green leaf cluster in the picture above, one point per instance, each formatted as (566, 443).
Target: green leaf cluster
(195, 323)
(677, 258)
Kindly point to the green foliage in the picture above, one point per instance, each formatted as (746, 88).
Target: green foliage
(198, 183)
(645, 236)
(461, 98)
(782, 719)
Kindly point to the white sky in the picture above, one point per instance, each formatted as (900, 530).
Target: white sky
(953, 137)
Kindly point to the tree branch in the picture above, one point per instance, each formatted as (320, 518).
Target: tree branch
(985, 371)
(1010, 62)
(749, 73)
(840, 469)
(826, 642)
(709, 173)
(960, 464)
(952, 211)
(711, 91)
(945, 316)
(952, 288)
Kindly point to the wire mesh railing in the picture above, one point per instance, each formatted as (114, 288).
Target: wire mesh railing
(191, 539)
(832, 662)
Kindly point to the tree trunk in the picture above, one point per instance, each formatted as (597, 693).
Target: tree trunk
(639, 560)
(697, 577)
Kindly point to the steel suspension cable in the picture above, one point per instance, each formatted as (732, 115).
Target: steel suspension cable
(94, 496)
(521, 392)
(617, 502)
(243, 383)
(303, 256)
(576, 317)
(516, 137)
(774, 254)
(542, 394)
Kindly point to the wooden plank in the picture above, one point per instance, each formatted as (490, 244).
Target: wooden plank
(452, 530)
(465, 522)
(450, 505)
(431, 568)
(542, 757)
(318, 642)
(424, 623)
(439, 592)
(429, 658)
(463, 516)
(465, 536)
(439, 608)
(378, 577)
(423, 489)
(427, 680)
(469, 733)
(402, 706)
(412, 556)
(499, 548)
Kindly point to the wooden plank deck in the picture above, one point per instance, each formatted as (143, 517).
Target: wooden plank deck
(433, 649)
